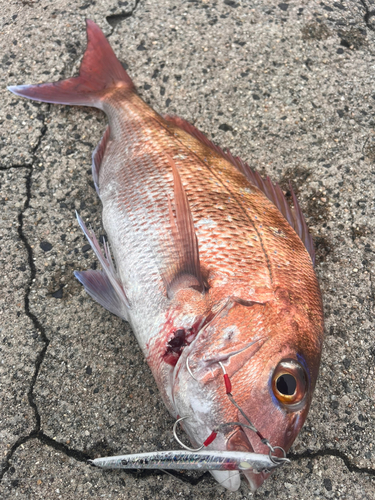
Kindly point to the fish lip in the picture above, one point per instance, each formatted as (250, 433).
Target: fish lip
(239, 438)
(255, 481)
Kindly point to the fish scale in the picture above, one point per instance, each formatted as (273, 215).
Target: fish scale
(213, 269)
(155, 175)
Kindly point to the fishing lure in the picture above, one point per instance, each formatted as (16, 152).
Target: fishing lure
(184, 460)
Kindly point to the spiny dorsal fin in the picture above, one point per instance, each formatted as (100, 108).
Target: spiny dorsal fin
(275, 194)
(272, 190)
(187, 271)
(97, 157)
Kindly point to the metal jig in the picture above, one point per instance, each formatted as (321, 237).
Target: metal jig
(185, 460)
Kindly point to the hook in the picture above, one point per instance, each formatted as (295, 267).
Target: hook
(177, 438)
(188, 368)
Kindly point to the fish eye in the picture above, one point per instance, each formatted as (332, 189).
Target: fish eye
(289, 382)
(286, 384)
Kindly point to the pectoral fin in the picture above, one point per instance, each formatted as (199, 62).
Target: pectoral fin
(186, 271)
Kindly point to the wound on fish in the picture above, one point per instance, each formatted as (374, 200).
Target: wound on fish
(182, 337)
(175, 346)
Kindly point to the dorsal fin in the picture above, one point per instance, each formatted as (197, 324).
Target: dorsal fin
(275, 194)
(272, 190)
(187, 271)
(97, 157)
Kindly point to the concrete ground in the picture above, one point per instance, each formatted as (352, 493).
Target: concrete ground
(290, 87)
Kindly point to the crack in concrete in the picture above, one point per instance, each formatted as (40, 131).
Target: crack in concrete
(37, 325)
(4, 168)
(44, 439)
(332, 452)
(116, 19)
(79, 455)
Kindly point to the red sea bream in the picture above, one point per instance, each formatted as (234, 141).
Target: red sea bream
(212, 268)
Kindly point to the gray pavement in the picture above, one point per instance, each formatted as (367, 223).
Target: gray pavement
(288, 86)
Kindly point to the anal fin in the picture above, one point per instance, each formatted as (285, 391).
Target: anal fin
(98, 285)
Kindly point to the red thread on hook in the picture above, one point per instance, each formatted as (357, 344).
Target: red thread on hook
(228, 385)
(210, 438)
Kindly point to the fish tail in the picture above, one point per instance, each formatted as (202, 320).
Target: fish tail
(100, 74)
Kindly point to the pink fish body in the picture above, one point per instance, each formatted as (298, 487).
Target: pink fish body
(213, 270)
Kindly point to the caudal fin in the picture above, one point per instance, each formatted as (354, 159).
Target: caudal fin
(100, 72)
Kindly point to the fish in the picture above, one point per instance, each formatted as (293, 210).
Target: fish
(211, 266)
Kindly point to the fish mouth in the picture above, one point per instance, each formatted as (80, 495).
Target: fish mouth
(238, 441)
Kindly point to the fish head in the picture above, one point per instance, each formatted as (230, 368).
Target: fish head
(270, 352)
